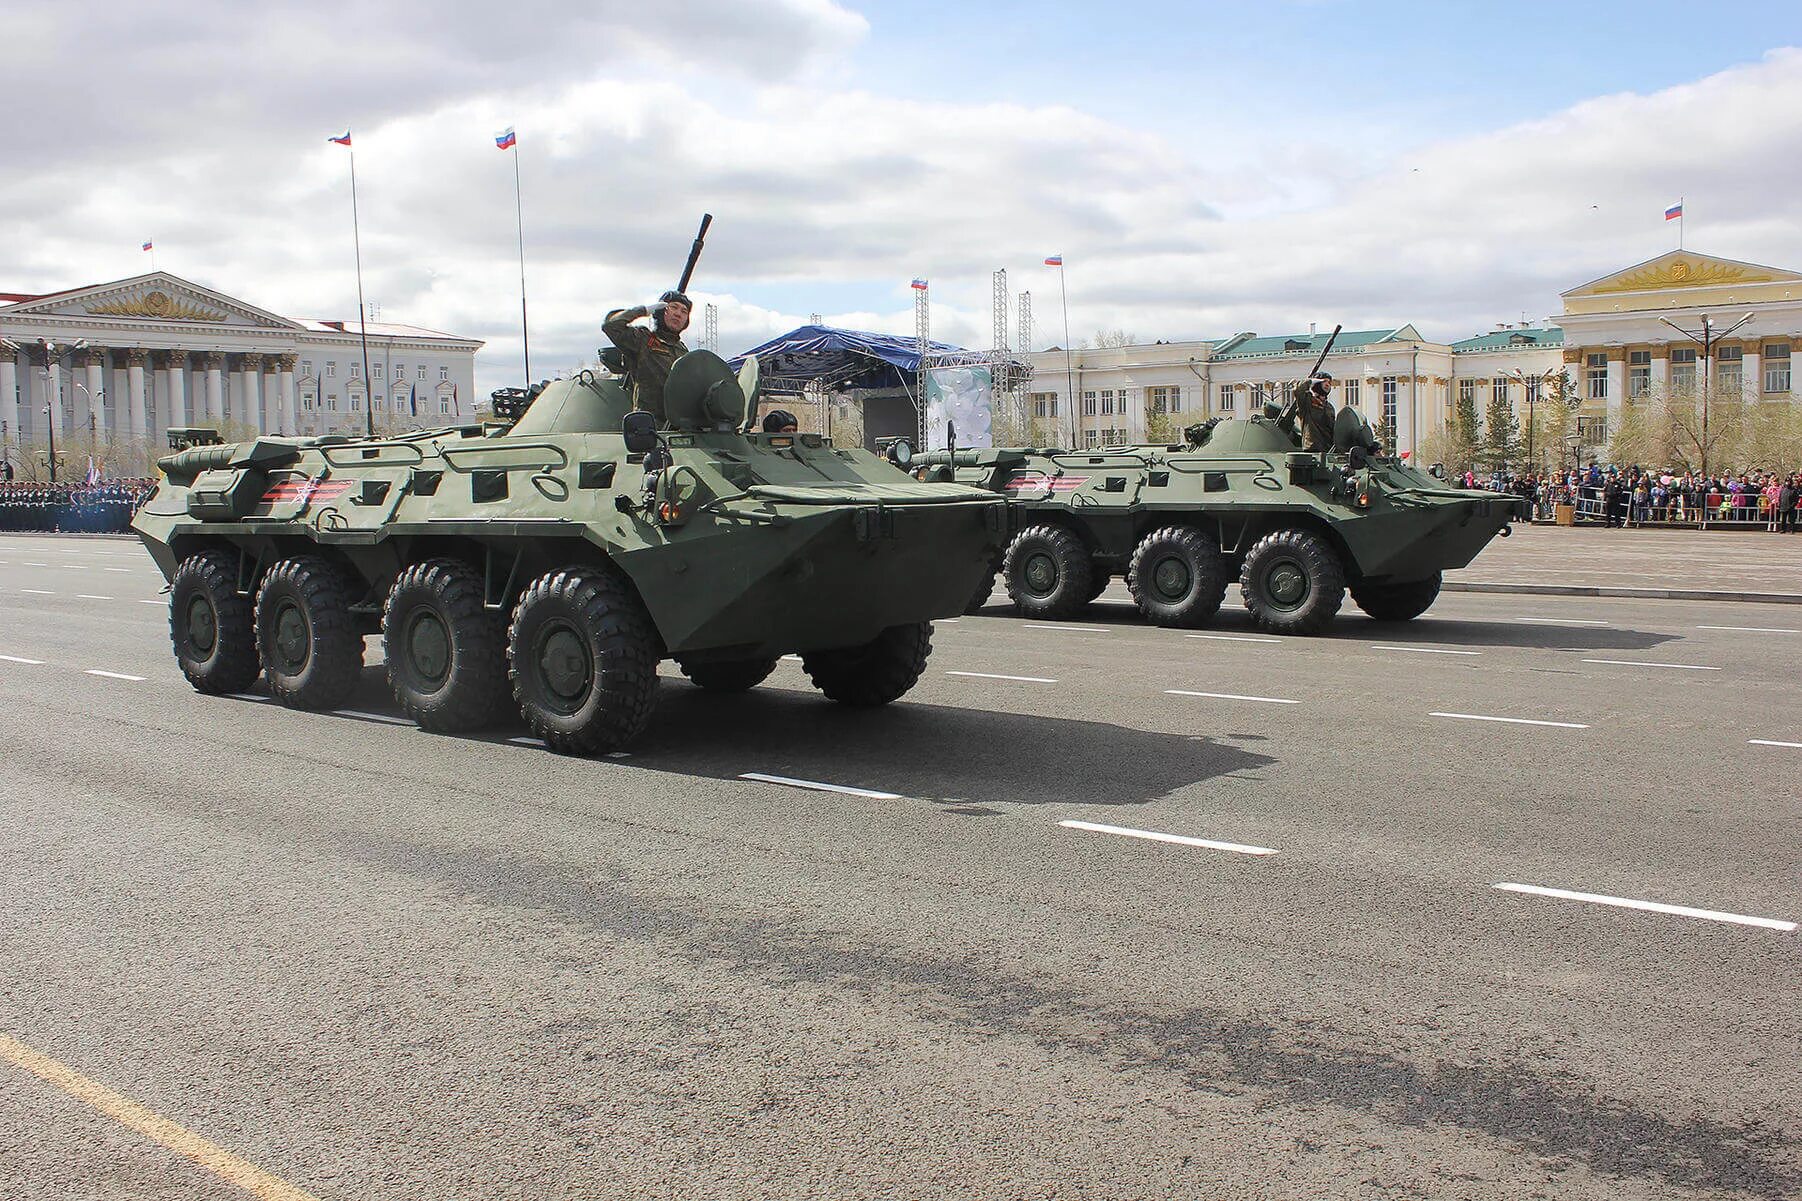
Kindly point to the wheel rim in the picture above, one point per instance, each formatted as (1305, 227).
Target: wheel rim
(292, 639)
(428, 647)
(1041, 573)
(1171, 578)
(203, 626)
(1286, 584)
(566, 667)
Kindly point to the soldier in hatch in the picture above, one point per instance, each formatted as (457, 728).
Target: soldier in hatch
(650, 353)
(1314, 406)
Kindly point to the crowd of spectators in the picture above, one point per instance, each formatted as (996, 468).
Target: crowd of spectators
(103, 508)
(1756, 499)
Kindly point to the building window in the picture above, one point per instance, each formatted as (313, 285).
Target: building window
(443, 374)
(1730, 369)
(1592, 431)
(1390, 391)
(1683, 368)
(1498, 388)
(377, 373)
(306, 366)
(1467, 391)
(331, 370)
(1352, 390)
(1226, 398)
(1107, 402)
(356, 402)
(1639, 373)
(306, 401)
(356, 371)
(1088, 404)
(1163, 400)
(444, 406)
(1776, 367)
(1091, 439)
(1044, 404)
(1598, 376)
(331, 403)
(422, 372)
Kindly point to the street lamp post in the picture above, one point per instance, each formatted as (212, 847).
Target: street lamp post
(1708, 339)
(1530, 385)
(53, 411)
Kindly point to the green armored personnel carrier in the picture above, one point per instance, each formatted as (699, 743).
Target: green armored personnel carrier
(1238, 500)
(544, 564)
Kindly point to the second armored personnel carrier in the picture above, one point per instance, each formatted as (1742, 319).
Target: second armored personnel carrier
(544, 564)
(1238, 500)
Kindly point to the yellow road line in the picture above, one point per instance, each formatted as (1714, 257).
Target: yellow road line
(209, 1155)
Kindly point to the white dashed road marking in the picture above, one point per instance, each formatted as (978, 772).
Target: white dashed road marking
(159, 604)
(38, 591)
(984, 675)
(1238, 848)
(90, 596)
(1231, 638)
(17, 659)
(817, 786)
(114, 675)
(1713, 915)
(1749, 741)
(1516, 721)
(1561, 621)
(381, 717)
(1751, 629)
(1424, 650)
(522, 740)
(1063, 629)
(1230, 696)
(123, 570)
(1639, 663)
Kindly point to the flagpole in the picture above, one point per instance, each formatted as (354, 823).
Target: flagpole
(1679, 222)
(1069, 372)
(356, 233)
(519, 215)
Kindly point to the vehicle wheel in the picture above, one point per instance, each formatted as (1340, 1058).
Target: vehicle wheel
(1397, 602)
(1293, 583)
(1048, 572)
(1098, 583)
(1178, 577)
(582, 654)
(212, 627)
(984, 590)
(310, 648)
(879, 671)
(446, 651)
(732, 675)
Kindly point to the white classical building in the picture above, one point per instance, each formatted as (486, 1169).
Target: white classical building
(1612, 339)
(114, 366)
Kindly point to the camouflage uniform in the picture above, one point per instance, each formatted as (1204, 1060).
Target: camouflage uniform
(1317, 415)
(650, 353)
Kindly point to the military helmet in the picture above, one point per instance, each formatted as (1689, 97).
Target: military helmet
(777, 420)
(674, 297)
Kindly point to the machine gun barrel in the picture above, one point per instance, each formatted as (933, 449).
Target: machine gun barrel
(694, 253)
(1324, 350)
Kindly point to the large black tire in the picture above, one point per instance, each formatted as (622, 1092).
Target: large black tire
(1397, 602)
(1048, 572)
(446, 650)
(212, 628)
(311, 649)
(1293, 582)
(728, 675)
(1178, 577)
(984, 590)
(879, 671)
(582, 655)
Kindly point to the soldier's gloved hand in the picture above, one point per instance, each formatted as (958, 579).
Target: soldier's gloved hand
(654, 310)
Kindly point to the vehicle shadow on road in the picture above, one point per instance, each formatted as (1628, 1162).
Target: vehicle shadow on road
(967, 757)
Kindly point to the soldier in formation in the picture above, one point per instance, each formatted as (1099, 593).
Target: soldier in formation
(105, 508)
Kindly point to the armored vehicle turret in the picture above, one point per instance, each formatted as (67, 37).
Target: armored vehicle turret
(1237, 500)
(544, 564)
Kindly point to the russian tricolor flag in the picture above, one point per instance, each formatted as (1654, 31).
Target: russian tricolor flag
(920, 284)
(1056, 260)
(147, 246)
(504, 139)
(342, 139)
(1674, 212)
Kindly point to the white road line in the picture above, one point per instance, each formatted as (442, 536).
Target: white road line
(38, 591)
(90, 596)
(1238, 848)
(249, 696)
(125, 570)
(816, 786)
(522, 740)
(1713, 915)
(76, 566)
(1229, 696)
(37, 565)
(1752, 629)
(114, 675)
(159, 604)
(16, 659)
(1561, 621)
(1423, 650)
(1749, 741)
(381, 717)
(1068, 629)
(1517, 721)
(1639, 663)
(1231, 638)
(985, 675)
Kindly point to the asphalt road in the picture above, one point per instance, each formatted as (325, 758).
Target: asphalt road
(1715, 560)
(376, 963)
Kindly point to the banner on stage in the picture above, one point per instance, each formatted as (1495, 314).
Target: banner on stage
(963, 396)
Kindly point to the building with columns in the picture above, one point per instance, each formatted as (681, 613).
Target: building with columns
(110, 368)
(1611, 339)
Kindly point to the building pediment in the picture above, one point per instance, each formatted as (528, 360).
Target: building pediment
(1682, 269)
(157, 296)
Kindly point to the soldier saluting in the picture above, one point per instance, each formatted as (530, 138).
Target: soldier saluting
(650, 353)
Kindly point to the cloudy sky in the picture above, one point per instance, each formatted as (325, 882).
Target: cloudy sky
(1203, 168)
